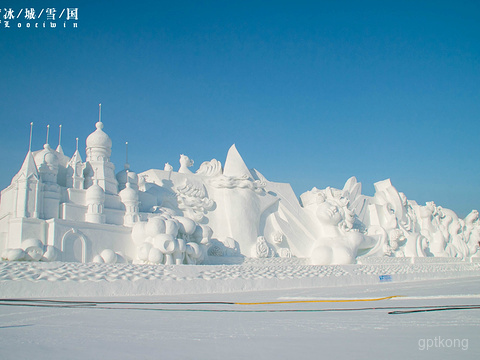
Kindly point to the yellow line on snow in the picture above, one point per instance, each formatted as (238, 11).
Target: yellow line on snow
(316, 301)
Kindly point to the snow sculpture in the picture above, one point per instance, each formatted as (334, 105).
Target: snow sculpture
(262, 249)
(337, 242)
(67, 209)
(185, 163)
(170, 239)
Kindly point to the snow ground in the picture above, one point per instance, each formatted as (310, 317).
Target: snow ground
(154, 331)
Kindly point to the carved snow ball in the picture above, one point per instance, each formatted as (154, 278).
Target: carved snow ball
(182, 245)
(33, 249)
(155, 256)
(109, 256)
(16, 255)
(186, 225)
(171, 227)
(155, 226)
(139, 232)
(203, 234)
(97, 259)
(166, 243)
(50, 254)
(143, 251)
(193, 253)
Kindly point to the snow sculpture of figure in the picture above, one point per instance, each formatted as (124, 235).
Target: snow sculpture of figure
(430, 229)
(472, 232)
(337, 241)
(452, 227)
(167, 167)
(185, 163)
(396, 239)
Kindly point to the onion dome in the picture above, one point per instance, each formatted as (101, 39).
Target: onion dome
(128, 194)
(95, 194)
(126, 176)
(46, 157)
(99, 139)
(47, 164)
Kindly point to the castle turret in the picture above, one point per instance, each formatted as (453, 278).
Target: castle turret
(95, 199)
(129, 198)
(99, 149)
(48, 165)
(27, 188)
(75, 167)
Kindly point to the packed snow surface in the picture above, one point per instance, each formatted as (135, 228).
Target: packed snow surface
(346, 312)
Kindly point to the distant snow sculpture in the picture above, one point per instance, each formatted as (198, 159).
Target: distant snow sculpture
(185, 163)
(65, 209)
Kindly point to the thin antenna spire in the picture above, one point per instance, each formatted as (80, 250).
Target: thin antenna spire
(99, 112)
(48, 131)
(126, 152)
(30, 142)
(59, 135)
(76, 147)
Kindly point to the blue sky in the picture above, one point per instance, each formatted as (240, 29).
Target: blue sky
(311, 92)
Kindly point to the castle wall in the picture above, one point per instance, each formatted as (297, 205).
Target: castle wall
(80, 241)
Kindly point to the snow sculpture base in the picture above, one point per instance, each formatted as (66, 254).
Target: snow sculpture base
(57, 279)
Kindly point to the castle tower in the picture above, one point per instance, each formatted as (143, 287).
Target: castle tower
(27, 188)
(75, 167)
(99, 149)
(95, 199)
(129, 197)
(48, 165)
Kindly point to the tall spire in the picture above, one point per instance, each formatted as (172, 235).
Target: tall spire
(30, 142)
(48, 132)
(76, 146)
(127, 165)
(59, 135)
(100, 113)
(59, 147)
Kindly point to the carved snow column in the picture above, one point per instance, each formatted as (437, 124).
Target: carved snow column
(99, 149)
(129, 198)
(95, 201)
(48, 171)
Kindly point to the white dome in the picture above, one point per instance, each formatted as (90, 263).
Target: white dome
(122, 177)
(128, 194)
(99, 139)
(46, 156)
(95, 194)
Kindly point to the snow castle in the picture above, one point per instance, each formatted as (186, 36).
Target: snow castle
(59, 208)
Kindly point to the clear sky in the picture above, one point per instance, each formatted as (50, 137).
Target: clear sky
(311, 92)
